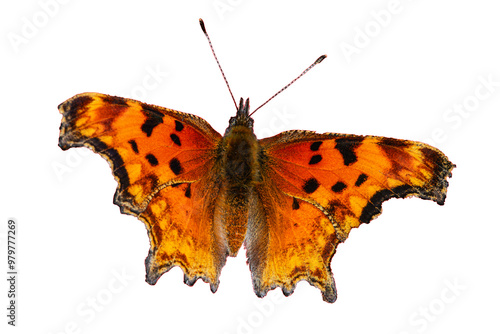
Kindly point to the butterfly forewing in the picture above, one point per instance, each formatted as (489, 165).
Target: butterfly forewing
(350, 176)
(147, 146)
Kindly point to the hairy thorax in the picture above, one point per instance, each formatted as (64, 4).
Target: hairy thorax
(240, 153)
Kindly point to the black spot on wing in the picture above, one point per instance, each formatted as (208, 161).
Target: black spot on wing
(152, 160)
(73, 105)
(81, 102)
(339, 187)
(310, 185)
(374, 205)
(295, 204)
(178, 126)
(153, 118)
(331, 206)
(386, 141)
(315, 146)
(361, 179)
(175, 166)
(133, 144)
(187, 193)
(152, 180)
(71, 109)
(346, 147)
(115, 100)
(175, 138)
(315, 159)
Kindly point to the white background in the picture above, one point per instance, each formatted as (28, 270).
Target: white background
(418, 268)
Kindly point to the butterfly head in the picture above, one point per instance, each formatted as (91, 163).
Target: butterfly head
(242, 118)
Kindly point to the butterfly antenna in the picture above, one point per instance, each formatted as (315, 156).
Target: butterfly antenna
(202, 24)
(319, 60)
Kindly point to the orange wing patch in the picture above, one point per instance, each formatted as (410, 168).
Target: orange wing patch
(339, 179)
(143, 144)
(348, 177)
(288, 240)
(183, 233)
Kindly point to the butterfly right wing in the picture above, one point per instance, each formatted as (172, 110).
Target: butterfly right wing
(316, 187)
(288, 240)
(162, 160)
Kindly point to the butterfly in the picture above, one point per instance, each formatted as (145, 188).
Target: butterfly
(289, 199)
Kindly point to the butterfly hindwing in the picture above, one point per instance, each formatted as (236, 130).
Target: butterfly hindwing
(337, 179)
(163, 161)
(183, 233)
(288, 240)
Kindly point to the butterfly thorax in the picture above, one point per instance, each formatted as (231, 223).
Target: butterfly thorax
(239, 150)
(240, 157)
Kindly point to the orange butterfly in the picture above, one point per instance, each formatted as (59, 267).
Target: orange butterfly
(290, 199)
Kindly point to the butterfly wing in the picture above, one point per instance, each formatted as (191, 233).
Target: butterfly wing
(288, 240)
(162, 160)
(320, 186)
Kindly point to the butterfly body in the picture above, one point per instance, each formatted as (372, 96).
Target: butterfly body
(289, 199)
(239, 171)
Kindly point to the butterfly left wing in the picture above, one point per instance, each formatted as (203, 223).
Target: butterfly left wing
(317, 187)
(164, 162)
